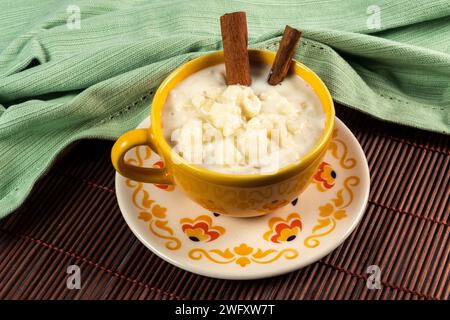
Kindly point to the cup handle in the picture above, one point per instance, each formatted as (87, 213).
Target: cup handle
(131, 139)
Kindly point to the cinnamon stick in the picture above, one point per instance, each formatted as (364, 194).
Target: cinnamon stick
(234, 37)
(286, 51)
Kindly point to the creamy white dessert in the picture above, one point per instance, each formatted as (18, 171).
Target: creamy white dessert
(238, 129)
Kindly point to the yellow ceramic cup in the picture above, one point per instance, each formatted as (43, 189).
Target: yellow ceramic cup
(240, 195)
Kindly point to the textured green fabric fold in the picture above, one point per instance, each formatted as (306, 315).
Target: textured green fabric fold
(60, 84)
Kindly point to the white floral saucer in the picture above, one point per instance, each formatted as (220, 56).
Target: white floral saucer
(192, 238)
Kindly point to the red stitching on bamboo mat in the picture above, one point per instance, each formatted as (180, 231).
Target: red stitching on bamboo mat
(91, 183)
(359, 276)
(98, 186)
(93, 264)
(412, 143)
(410, 213)
(172, 295)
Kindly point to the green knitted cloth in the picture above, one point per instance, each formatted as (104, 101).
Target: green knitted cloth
(64, 79)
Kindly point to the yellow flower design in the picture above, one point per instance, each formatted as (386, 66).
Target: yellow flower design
(325, 177)
(151, 213)
(243, 250)
(283, 230)
(201, 229)
(332, 212)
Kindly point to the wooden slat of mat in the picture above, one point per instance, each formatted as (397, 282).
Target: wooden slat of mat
(72, 218)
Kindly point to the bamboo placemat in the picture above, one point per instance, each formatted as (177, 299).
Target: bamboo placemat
(72, 217)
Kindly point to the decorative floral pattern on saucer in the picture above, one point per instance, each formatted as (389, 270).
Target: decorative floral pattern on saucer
(204, 242)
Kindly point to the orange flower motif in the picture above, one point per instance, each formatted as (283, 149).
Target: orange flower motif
(283, 230)
(275, 204)
(201, 229)
(325, 177)
(166, 187)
